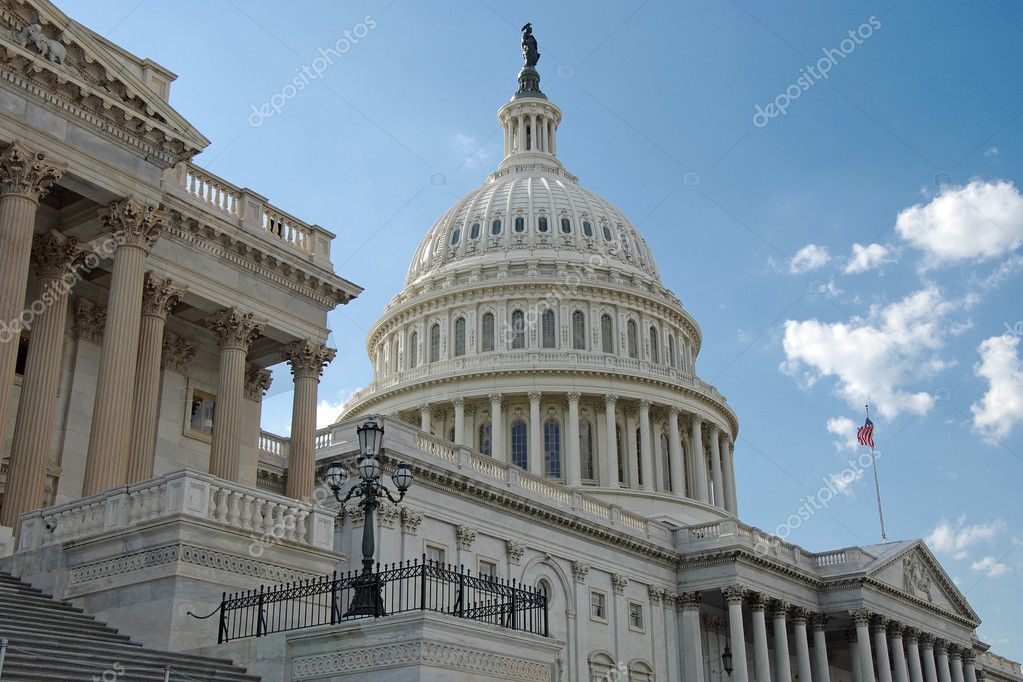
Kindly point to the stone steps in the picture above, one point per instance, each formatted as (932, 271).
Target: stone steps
(52, 640)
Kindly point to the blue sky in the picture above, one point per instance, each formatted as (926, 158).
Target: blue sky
(861, 244)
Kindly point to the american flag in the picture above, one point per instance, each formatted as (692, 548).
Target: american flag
(865, 434)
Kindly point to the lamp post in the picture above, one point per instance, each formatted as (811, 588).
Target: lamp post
(369, 489)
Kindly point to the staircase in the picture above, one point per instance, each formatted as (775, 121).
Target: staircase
(49, 639)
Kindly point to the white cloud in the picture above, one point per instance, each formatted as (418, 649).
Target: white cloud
(992, 151)
(977, 221)
(958, 539)
(810, 257)
(473, 152)
(327, 413)
(873, 359)
(868, 257)
(1001, 406)
(845, 429)
(990, 567)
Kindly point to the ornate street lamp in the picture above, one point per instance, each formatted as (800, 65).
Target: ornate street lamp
(369, 489)
(726, 660)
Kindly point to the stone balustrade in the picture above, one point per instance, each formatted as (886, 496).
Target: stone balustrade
(184, 493)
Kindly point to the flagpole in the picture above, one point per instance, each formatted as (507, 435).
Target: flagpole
(877, 486)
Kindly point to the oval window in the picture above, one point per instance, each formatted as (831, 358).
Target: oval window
(520, 224)
(541, 224)
(495, 227)
(587, 228)
(566, 225)
(607, 233)
(456, 236)
(474, 232)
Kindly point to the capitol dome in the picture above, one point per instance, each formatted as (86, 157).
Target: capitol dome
(534, 328)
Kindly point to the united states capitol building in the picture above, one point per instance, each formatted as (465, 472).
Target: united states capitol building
(574, 514)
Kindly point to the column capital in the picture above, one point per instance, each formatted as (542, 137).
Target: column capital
(645, 403)
(969, 656)
(910, 635)
(757, 601)
(458, 402)
(926, 640)
(90, 319)
(955, 651)
(54, 256)
(308, 358)
(534, 396)
(177, 352)
(896, 629)
(580, 569)
(26, 172)
(236, 329)
(133, 222)
(619, 582)
(779, 609)
(861, 617)
(800, 615)
(610, 399)
(734, 594)
(688, 601)
(159, 296)
(257, 381)
(496, 398)
(940, 646)
(819, 622)
(573, 397)
(674, 411)
(879, 623)
(656, 594)
(981, 674)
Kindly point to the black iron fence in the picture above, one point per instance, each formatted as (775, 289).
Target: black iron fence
(414, 585)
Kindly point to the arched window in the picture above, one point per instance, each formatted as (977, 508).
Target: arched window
(587, 228)
(518, 329)
(607, 335)
(520, 444)
(487, 333)
(549, 332)
(541, 224)
(435, 343)
(456, 236)
(655, 351)
(495, 227)
(586, 450)
(666, 462)
(579, 330)
(552, 448)
(621, 454)
(520, 224)
(544, 588)
(671, 350)
(566, 225)
(639, 459)
(485, 433)
(632, 340)
(459, 337)
(607, 233)
(413, 349)
(474, 231)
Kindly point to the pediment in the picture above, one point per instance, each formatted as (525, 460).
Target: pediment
(64, 62)
(915, 572)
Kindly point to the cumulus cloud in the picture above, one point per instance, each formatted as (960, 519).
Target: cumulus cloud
(1001, 406)
(977, 221)
(990, 567)
(874, 358)
(810, 257)
(327, 413)
(868, 257)
(845, 429)
(958, 539)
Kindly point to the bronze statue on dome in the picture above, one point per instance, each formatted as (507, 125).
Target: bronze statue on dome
(530, 53)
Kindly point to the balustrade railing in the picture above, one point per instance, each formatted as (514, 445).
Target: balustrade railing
(211, 190)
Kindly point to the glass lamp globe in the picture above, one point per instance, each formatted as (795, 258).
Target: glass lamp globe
(335, 476)
(402, 477)
(371, 436)
(370, 467)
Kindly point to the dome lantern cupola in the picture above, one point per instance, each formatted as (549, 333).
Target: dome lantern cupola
(530, 121)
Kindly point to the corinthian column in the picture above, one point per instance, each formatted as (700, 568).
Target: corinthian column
(135, 227)
(728, 465)
(782, 664)
(237, 330)
(866, 658)
(573, 471)
(459, 405)
(715, 464)
(898, 652)
(307, 358)
(941, 660)
(821, 668)
(761, 657)
(497, 448)
(913, 656)
(678, 475)
(799, 618)
(611, 440)
(25, 177)
(733, 597)
(884, 666)
(55, 261)
(536, 454)
(692, 636)
(699, 462)
(646, 446)
(927, 657)
(159, 296)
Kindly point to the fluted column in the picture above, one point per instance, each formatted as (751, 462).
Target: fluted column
(25, 177)
(692, 637)
(916, 673)
(799, 618)
(941, 660)
(459, 405)
(884, 666)
(425, 418)
(307, 359)
(955, 655)
(611, 439)
(866, 658)
(821, 667)
(927, 658)
(969, 666)
(734, 598)
(699, 462)
(761, 655)
(646, 446)
(135, 227)
(715, 463)
(678, 475)
(898, 652)
(782, 665)
(159, 296)
(497, 447)
(854, 656)
(53, 258)
(236, 330)
(573, 464)
(728, 464)
(535, 439)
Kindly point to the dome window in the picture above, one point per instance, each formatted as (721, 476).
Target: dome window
(460, 337)
(487, 333)
(578, 330)
(549, 329)
(587, 228)
(518, 330)
(474, 231)
(552, 449)
(520, 224)
(625, 242)
(606, 334)
(519, 444)
(632, 337)
(435, 343)
(607, 233)
(456, 236)
(566, 225)
(541, 224)
(495, 227)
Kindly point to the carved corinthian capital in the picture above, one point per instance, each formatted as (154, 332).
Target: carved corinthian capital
(26, 172)
(257, 381)
(54, 256)
(90, 319)
(177, 352)
(308, 358)
(159, 296)
(235, 329)
(133, 222)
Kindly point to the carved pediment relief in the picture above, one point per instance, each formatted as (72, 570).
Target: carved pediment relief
(916, 573)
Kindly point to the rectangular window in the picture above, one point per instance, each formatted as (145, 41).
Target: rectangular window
(435, 554)
(598, 606)
(488, 569)
(202, 412)
(636, 616)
